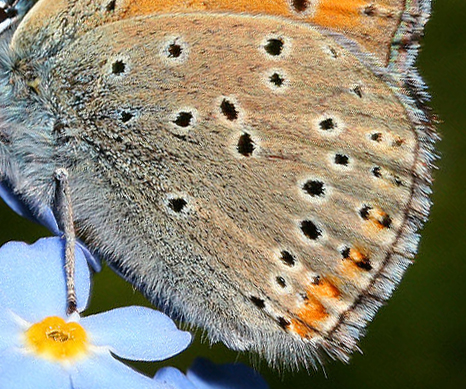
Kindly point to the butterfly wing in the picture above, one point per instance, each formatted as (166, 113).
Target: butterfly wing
(380, 26)
(387, 29)
(257, 176)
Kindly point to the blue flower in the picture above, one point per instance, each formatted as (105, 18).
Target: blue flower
(207, 375)
(42, 214)
(40, 347)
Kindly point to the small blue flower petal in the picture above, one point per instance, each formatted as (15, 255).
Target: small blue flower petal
(207, 375)
(92, 259)
(174, 378)
(105, 372)
(32, 212)
(32, 287)
(32, 279)
(136, 333)
(42, 215)
(46, 218)
(19, 371)
(8, 326)
(6, 193)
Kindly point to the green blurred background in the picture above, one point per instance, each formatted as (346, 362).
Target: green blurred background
(419, 339)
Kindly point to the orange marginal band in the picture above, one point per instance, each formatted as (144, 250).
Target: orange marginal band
(371, 23)
(329, 13)
(313, 312)
(308, 317)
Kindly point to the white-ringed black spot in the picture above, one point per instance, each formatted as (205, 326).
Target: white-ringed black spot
(382, 218)
(376, 137)
(126, 116)
(245, 145)
(376, 172)
(359, 259)
(333, 52)
(327, 124)
(300, 5)
(386, 221)
(364, 264)
(277, 79)
(314, 188)
(283, 323)
(341, 159)
(370, 10)
(258, 302)
(357, 90)
(177, 204)
(281, 281)
(118, 67)
(287, 258)
(345, 252)
(174, 50)
(310, 230)
(183, 119)
(229, 110)
(364, 212)
(110, 7)
(274, 46)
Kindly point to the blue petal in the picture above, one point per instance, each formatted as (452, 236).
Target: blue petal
(32, 279)
(9, 331)
(207, 375)
(174, 378)
(6, 193)
(136, 333)
(46, 217)
(102, 371)
(92, 259)
(19, 371)
(42, 215)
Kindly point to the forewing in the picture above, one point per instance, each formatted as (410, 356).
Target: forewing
(387, 29)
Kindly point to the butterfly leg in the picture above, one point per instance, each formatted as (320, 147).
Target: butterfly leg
(64, 214)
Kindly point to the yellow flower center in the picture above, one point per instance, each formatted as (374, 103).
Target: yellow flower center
(53, 338)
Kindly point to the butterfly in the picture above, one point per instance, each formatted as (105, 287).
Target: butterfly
(256, 168)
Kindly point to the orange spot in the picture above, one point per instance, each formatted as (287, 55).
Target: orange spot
(301, 329)
(341, 14)
(145, 7)
(356, 261)
(380, 218)
(328, 13)
(356, 256)
(349, 270)
(324, 288)
(398, 141)
(313, 312)
(310, 315)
